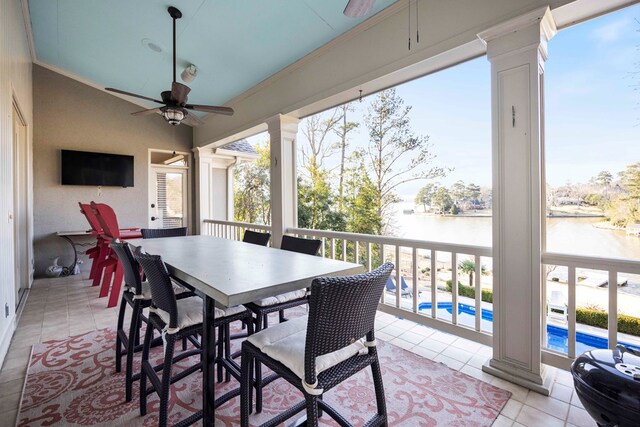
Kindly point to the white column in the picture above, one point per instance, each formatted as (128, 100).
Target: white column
(214, 185)
(517, 50)
(284, 207)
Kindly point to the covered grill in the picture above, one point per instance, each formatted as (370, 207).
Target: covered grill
(608, 385)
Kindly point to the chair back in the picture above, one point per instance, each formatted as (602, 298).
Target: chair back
(85, 209)
(107, 219)
(130, 266)
(256, 238)
(341, 311)
(162, 295)
(303, 246)
(156, 233)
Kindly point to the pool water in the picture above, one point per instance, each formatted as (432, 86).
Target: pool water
(557, 337)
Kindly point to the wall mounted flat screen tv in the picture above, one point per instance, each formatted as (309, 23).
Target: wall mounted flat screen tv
(85, 168)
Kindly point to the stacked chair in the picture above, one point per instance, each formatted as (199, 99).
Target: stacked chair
(318, 352)
(177, 319)
(112, 270)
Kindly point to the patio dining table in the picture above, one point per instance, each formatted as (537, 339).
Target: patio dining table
(226, 273)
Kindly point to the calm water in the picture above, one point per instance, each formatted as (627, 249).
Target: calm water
(565, 235)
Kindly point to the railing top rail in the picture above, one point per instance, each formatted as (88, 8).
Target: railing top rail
(597, 263)
(386, 240)
(237, 224)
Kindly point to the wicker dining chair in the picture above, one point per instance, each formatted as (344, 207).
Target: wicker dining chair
(176, 319)
(156, 233)
(262, 308)
(256, 238)
(137, 296)
(318, 352)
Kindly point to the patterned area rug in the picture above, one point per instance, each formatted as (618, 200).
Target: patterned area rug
(73, 382)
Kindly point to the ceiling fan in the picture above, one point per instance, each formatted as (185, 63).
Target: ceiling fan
(175, 109)
(358, 8)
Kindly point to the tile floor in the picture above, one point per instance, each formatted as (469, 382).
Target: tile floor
(58, 308)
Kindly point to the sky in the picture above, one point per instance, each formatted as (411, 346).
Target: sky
(592, 109)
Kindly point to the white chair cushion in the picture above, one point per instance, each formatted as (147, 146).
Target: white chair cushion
(278, 299)
(190, 312)
(285, 343)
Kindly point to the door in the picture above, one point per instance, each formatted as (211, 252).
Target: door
(20, 215)
(168, 197)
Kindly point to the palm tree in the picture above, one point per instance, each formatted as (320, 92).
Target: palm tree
(469, 267)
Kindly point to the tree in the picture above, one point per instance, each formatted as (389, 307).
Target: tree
(603, 178)
(315, 205)
(361, 193)
(442, 200)
(425, 194)
(469, 267)
(458, 192)
(473, 192)
(315, 198)
(342, 131)
(251, 189)
(394, 154)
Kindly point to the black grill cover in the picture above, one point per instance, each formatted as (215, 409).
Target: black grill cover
(605, 384)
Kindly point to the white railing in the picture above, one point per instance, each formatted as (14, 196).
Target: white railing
(229, 229)
(409, 256)
(434, 261)
(613, 271)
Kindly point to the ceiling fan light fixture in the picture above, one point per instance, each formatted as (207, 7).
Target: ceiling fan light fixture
(358, 8)
(189, 74)
(172, 115)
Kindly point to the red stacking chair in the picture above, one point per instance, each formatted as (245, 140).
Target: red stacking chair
(112, 277)
(98, 253)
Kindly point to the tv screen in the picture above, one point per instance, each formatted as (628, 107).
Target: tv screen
(85, 168)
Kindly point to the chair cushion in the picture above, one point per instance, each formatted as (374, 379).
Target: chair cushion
(279, 299)
(285, 343)
(190, 312)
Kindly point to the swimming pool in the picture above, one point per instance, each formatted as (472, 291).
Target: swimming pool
(557, 337)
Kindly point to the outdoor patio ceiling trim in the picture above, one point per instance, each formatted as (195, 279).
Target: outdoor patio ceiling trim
(312, 84)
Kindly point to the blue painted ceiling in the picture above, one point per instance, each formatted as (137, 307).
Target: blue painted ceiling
(234, 43)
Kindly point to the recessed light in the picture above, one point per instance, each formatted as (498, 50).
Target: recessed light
(152, 45)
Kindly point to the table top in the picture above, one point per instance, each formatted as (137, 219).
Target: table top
(233, 272)
(74, 233)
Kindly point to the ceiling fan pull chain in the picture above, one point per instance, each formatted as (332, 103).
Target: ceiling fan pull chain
(417, 23)
(409, 30)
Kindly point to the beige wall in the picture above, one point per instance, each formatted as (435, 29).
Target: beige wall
(15, 85)
(71, 115)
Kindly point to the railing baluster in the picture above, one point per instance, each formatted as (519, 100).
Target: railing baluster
(333, 248)
(369, 256)
(356, 252)
(398, 277)
(478, 293)
(344, 249)
(434, 284)
(454, 288)
(613, 309)
(414, 266)
(323, 249)
(571, 306)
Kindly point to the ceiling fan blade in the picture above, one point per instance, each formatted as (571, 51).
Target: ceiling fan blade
(358, 8)
(211, 109)
(110, 89)
(146, 112)
(192, 120)
(179, 93)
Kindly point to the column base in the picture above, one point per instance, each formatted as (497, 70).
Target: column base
(539, 383)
